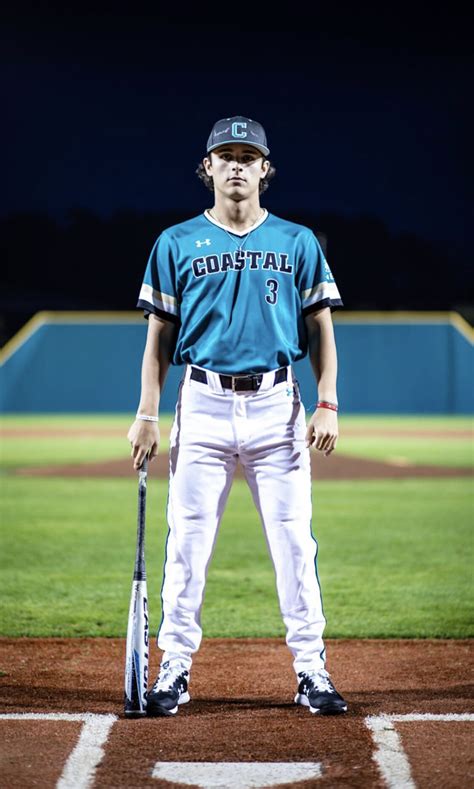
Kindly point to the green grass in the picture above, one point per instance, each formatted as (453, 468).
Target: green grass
(417, 451)
(395, 556)
(87, 444)
(395, 559)
(65, 421)
(389, 563)
(394, 422)
(90, 445)
(47, 451)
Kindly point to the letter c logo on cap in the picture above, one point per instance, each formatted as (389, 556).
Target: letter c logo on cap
(235, 129)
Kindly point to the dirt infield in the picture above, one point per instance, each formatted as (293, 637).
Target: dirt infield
(119, 432)
(242, 712)
(336, 467)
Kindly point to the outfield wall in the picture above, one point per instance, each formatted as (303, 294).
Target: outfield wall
(389, 362)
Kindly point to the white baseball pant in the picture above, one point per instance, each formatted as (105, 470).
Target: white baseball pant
(213, 429)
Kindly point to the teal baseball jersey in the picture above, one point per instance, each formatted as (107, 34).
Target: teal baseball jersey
(239, 299)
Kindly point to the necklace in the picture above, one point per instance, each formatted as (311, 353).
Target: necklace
(239, 244)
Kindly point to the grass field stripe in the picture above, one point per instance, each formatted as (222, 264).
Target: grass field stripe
(390, 755)
(236, 775)
(80, 767)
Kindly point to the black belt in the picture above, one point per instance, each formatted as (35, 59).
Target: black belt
(240, 383)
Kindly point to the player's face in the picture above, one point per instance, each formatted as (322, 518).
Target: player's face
(236, 169)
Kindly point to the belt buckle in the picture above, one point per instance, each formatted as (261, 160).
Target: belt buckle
(236, 378)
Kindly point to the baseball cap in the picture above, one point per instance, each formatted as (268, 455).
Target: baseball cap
(238, 129)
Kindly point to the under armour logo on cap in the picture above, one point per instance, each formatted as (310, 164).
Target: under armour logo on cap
(238, 129)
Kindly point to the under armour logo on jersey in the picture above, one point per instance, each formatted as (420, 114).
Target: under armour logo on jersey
(201, 243)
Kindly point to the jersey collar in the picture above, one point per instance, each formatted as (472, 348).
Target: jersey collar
(230, 229)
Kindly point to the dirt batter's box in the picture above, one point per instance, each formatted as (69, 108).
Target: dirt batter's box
(81, 765)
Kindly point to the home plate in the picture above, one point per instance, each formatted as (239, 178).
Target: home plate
(236, 775)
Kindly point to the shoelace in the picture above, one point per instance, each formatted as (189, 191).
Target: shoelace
(168, 676)
(321, 680)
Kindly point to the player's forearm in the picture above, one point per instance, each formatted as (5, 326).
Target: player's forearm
(156, 361)
(323, 357)
(327, 387)
(152, 380)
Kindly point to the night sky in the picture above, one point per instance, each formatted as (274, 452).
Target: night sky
(364, 113)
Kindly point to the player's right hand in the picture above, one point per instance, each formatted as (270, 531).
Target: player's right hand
(144, 438)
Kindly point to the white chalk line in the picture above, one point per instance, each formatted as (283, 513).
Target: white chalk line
(236, 775)
(390, 756)
(79, 770)
(81, 765)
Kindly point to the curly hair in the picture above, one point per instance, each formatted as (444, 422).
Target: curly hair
(208, 181)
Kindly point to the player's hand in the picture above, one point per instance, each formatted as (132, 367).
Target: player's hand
(322, 432)
(145, 440)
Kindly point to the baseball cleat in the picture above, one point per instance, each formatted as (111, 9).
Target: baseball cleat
(317, 692)
(169, 690)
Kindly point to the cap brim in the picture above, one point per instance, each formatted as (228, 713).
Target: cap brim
(262, 148)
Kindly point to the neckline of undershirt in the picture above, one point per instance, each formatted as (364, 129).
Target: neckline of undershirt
(230, 229)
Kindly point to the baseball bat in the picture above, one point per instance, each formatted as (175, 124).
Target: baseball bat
(136, 659)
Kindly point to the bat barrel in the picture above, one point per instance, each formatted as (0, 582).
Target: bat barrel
(137, 647)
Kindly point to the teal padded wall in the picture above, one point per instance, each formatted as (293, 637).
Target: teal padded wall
(385, 367)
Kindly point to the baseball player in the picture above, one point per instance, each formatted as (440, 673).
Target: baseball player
(237, 295)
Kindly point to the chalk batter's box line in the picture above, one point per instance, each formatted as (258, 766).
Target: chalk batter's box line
(389, 755)
(81, 765)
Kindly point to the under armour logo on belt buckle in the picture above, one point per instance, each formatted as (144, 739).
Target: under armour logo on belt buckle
(201, 243)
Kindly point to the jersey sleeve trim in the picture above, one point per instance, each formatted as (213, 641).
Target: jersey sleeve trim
(151, 310)
(159, 301)
(319, 305)
(323, 292)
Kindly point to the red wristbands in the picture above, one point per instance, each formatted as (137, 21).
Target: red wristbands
(326, 404)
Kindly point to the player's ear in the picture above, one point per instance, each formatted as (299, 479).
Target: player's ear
(207, 164)
(265, 168)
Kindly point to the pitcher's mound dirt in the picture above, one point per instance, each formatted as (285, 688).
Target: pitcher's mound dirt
(336, 467)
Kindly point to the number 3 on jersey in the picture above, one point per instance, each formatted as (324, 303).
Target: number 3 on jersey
(272, 297)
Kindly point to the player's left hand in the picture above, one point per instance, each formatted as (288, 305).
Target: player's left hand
(322, 432)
